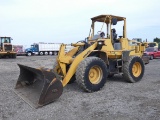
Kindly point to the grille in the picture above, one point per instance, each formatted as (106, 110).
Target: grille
(8, 47)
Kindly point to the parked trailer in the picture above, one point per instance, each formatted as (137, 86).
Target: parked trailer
(19, 49)
(42, 48)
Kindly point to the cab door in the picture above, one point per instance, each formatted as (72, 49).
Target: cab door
(156, 53)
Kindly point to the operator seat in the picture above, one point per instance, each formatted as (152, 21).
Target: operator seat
(114, 35)
(116, 43)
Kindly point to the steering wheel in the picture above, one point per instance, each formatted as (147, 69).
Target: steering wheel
(101, 33)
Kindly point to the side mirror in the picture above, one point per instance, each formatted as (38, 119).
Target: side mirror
(120, 37)
(86, 39)
(114, 21)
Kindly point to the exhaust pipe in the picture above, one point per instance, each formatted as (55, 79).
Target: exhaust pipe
(38, 87)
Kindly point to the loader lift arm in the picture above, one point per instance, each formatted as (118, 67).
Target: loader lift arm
(63, 60)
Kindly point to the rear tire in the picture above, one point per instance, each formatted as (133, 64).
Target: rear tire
(133, 70)
(55, 53)
(91, 74)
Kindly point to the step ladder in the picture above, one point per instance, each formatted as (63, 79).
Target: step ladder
(119, 64)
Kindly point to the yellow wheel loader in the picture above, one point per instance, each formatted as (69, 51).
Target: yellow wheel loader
(90, 63)
(6, 48)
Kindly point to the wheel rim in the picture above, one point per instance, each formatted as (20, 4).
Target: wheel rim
(55, 53)
(50, 53)
(41, 53)
(95, 74)
(46, 53)
(136, 69)
(29, 54)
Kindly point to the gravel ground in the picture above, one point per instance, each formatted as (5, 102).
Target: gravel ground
(118, 100)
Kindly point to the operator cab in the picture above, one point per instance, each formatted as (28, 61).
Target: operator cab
(106, 25)
(4, 40)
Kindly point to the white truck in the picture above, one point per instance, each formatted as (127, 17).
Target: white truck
(42, 48)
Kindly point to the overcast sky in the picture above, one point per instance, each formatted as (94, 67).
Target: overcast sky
(67, 21)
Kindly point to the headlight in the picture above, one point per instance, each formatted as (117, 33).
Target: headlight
(100, 43)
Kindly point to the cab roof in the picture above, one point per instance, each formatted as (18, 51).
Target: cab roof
(101, 18)
(4, 37)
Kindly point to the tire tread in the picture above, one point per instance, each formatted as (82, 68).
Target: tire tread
(80, 75)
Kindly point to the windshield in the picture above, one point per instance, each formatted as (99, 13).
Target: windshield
(137, 39)
(152, 44)
(32, 46)
(101, 27)
(149, 49)
(5, 40)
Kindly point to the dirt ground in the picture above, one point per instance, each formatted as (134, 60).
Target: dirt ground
(117, 100)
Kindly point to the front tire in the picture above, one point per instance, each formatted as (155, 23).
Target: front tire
(50, 53)
(29, 54)
(151, 57)
(133, 69)
(46, 53)
(91, 74)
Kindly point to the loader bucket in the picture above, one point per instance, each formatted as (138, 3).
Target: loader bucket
(38, 87)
